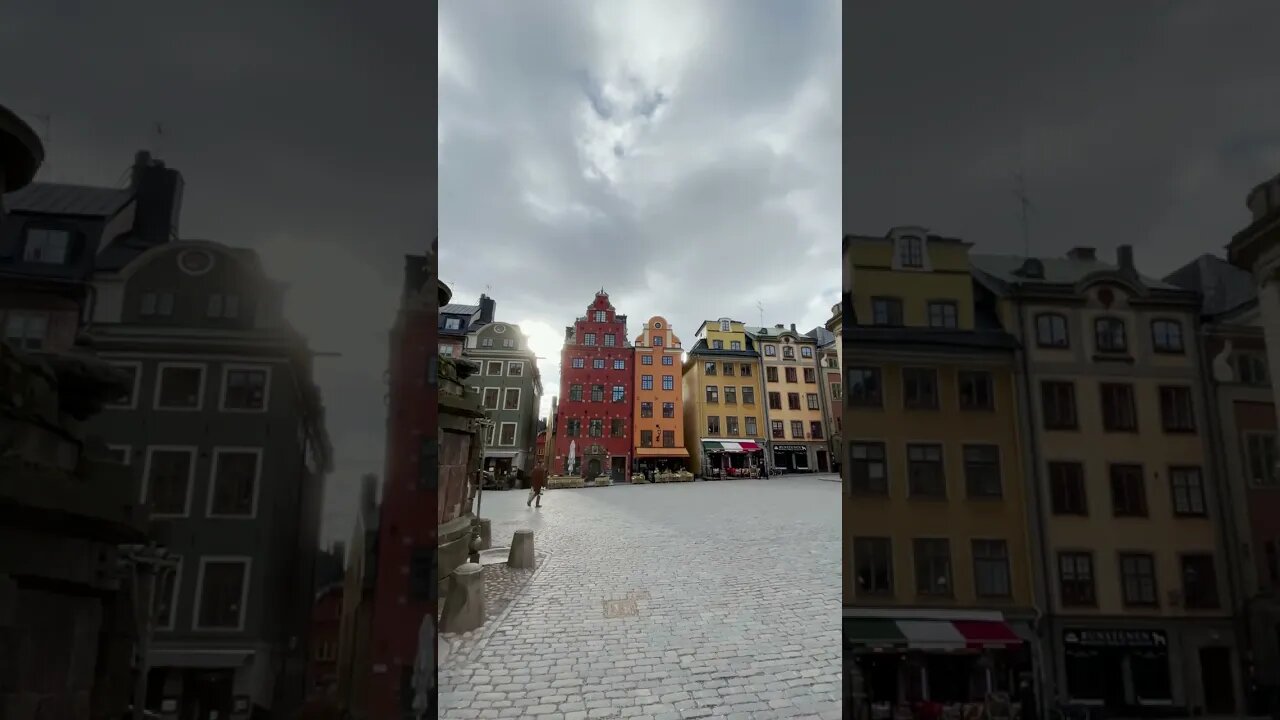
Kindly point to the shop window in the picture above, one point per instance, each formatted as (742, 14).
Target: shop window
(925, 474)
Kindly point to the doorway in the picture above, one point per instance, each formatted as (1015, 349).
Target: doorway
(1217, 680)
(207, 695)
(619, 469)
(593, 468)
(822, 461)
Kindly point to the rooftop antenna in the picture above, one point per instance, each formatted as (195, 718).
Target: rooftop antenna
(157, 136)
(1024, 204)
(760, 307)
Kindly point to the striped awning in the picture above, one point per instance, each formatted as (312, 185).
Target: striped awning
(875, 633)
(733, 446)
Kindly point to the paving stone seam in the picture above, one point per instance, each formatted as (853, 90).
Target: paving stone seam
(496, 623)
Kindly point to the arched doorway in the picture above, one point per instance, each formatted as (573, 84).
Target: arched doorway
(593, 468)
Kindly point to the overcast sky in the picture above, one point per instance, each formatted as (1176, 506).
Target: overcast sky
(683, 155)
(1142, 122)
(299, 133)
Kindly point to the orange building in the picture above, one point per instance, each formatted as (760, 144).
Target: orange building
(659, 412)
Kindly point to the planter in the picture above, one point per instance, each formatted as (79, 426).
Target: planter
(602, 482)
(564, 481)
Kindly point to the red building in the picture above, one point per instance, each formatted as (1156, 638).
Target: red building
(596, 392)
(322, 668)
(540, 448)
(404, 589)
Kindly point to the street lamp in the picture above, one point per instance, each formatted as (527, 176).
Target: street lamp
(148, 566)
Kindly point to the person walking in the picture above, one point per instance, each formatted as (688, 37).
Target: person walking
(536, 481)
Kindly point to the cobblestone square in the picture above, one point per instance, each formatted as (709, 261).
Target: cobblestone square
(663, 602)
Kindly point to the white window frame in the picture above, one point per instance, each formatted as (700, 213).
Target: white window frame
(215, 455)
(488, 365)
(204, 381)
(191, 450)
(247, 561)
(515, 434)
(452, 323)
(503, 402)
(128, 453)
(173, 600)
(724, 326)
(515, 363)
(444, 350)
(498, 405)
(27, 315)
(27, 244)
(490, 435)
(227, 369)
(137, 384)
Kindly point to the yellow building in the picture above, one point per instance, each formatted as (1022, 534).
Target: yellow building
(1135, 594)
(938, 581)
(724, 421)
(796, 429)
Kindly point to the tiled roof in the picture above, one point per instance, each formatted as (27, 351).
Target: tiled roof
(454, 309)
(1222, 286)
(1057, 271)
(59, 199)
(701, 348)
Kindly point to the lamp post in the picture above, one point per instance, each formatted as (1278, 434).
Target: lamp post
(148, 565)
(484, 424)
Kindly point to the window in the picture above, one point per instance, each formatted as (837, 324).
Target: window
(943, 314)
(180, 387)
(46, 246)
(717, 344)
(810, 375)
(864, 387)
(511, 399)
(646, 382)
(166, 480)
(646, 409)
(1075, 578)
(976, 390)
(1177, 414)
(731, 424)
(1166, 336)
(486, 342)
(1059, 399)
(668, 438)
(924, 471)
(1188, 491)
(507, 434)
(933, 566)
(709, 368)
(724, 326)
(815, 429)
(790, 374)
(836, 393)
(666, 360)
(167, 597)
(444, 350)
(617, 428)
(233, 488)
(619, 364)
(26, 331)
(223, 585)
(873, 565)
(1138, 579)
(490, 399)
(657, 341)
(646, 359)
(601, 315)
(982, 471)
(451, 323)
(748, 395)
(744, 370)
(1109, 335)
(730, 395)
(775, 400)
(668, 382)
(1199, 582)
(910, 252)
(793, 401)
(776, 428)
(1119, 413)
(597, 393)
(728, 369)
(578, 362)
(1260, 451)
(509, 343)
(788, 352)
(589, 339)
(223, 306)
(713, 394)
(868, 471)
(575, 392)
(573, 428)
(1066, 485)
(770, 350)
(489, 432)
(751, 427)
(131, 372)
(1128, 492)
(1051, 331)
(771, 374)
(806, 351)
(596, 428)
(991, 568)
(920, 388)
(812, 400)
(597, 364)
(797, 429)
(735, 344)
(245, 388)
(668, 410)
(646, 438)
(1251, 369)
(493, 367)
(619, 394)
(713, 425)
(156, 305)
(515, 368)
(610, 340)
(886, 311)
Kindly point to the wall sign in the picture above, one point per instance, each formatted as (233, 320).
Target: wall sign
(791, 448)
(1115, 638)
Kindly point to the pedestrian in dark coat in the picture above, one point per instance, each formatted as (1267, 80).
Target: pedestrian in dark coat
(536, 481)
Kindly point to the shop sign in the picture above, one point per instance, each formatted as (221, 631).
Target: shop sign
(791, 448)
(1116, 638)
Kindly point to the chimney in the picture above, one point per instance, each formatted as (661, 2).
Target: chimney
(415, 274)
(487, 309)
(793, 327)
(1083, 254)
(158, 191)
(1124, 259)
(369, 490)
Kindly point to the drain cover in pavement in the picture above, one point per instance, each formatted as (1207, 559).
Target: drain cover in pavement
(620, 608)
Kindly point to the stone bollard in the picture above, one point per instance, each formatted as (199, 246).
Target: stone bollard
(521, 555)
(464, 604)
(486, 533)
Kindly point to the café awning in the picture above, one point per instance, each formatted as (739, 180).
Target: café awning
(732, 446)
(875, 633)
(661, 452)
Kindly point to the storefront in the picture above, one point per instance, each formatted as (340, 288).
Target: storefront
(661, 460)
(1121, 669)
(800, 457)
(732, 458)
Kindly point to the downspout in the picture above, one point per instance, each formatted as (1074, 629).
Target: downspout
(1048, 646)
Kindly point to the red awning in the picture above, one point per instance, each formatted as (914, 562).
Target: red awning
(986, 633)
(749, 446)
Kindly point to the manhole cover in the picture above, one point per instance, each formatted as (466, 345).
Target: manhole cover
(620, 608)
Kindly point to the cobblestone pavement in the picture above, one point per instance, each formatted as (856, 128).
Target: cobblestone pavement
(690, 600)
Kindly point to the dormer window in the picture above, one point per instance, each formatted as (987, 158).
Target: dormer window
(911, 252)
(486, 342)
(1110, 336)
(156, 305)
(453, 323)
(46, 246)
(600, 316)
(724, 326)
(224, 306)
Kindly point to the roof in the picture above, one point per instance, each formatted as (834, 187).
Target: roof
(455, 309)
(701, 348)
(60, 199)
(1057, 271)
(1222, 286)
(822, 335)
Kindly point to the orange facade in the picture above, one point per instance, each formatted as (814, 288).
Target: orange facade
(659, 410)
